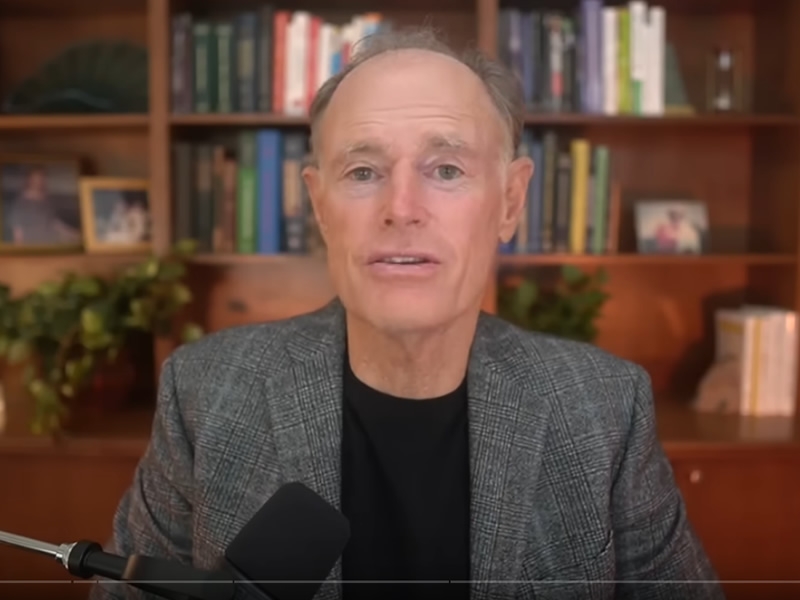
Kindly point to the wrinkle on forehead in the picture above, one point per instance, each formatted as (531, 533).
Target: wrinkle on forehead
(409, 86)
(434, 141)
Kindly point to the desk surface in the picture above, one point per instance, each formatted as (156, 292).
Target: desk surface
(681, 430)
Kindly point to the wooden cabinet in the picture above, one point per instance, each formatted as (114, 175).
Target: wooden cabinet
(744, 506)
(743, 500)
(59, 497)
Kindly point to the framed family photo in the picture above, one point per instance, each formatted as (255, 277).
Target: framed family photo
(116, 214)
(39, 204)
(672, 227)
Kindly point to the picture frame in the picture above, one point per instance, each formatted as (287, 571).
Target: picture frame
(116, 213)
(40, 204)
(672, 227)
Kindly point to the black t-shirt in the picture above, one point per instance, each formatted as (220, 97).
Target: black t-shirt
(405, 490)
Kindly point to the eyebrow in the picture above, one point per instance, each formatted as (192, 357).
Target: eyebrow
(364, 147)
(437, 142)
(447, 142)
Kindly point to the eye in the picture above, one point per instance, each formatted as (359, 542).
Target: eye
(448, 172)
(361, 174)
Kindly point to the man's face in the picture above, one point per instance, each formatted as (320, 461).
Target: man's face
(413, 190)
(36, 182)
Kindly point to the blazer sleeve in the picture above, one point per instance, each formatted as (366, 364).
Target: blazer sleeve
(654, 540)
(154, 515)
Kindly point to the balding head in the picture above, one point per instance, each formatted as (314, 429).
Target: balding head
(501, 86)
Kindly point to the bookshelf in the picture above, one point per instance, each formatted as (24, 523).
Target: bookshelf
(744, 166)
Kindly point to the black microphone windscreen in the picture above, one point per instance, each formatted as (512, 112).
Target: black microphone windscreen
(291, 544)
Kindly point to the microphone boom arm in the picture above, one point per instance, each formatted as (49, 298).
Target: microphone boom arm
(167, 579)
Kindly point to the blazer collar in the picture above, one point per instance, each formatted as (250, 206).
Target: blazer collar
(505, 431)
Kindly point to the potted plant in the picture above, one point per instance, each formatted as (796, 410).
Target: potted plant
(72, 333)
(567, 308)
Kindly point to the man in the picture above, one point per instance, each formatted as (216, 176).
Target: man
(32, 220)
(460, 447)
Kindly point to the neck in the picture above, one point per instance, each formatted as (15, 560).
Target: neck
(416, 366)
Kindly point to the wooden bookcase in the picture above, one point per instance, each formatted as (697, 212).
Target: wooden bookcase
(738, 475)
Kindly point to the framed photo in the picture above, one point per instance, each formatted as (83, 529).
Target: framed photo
(39, 204)
(672, 227)
(116, 214)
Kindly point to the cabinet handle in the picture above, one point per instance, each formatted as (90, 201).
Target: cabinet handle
(696, 476)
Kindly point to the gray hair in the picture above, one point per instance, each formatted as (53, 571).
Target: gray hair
(503, 87)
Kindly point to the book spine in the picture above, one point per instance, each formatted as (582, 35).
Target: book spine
(246, 194)
(247, 67)
(225, 66)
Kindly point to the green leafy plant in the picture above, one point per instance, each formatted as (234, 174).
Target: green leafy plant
(567, 307)
(67, 331)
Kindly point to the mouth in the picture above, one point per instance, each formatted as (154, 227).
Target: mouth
(403, 265)
(402, 259)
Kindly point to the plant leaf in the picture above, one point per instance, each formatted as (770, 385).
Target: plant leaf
(91, 322)
(191, 332)
(18, 351)
(572, 274)
(185, 247)
(525, 297)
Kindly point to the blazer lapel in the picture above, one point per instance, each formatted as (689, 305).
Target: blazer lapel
(507, 427)
(507, 433)
(307, 415)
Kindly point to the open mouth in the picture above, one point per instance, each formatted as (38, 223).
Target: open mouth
(405, 264)
(403, 260)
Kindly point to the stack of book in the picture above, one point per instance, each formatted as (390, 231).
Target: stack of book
(264, 60)
(759, 343)
(245, 195)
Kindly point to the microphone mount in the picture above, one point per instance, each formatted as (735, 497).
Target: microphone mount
(59, 552)
(167, 579)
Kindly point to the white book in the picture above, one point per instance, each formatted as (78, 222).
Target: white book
(656, 57)
(297, 36)
(638, 58)
(325, 51)
(783, 359)
(738, 337)
(610, 44)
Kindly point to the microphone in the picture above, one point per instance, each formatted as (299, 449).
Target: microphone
(289, 546)
(284, 552)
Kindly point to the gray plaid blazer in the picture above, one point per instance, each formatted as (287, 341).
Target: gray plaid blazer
(571, 492)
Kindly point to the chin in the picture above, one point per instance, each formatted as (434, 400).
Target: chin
(404, 313)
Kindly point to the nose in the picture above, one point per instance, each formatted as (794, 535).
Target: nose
(403, 204)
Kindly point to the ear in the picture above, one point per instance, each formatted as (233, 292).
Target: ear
(520, 171)
(313, 181)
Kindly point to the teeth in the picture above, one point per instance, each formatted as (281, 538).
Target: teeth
(403, 260)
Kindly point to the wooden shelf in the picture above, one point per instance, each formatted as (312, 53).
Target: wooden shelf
(554, 119)
(238, 119)
(124, 433)
(76, 258)
(252, 259)
(699, 120)
(647, 259)
(681, 431)
(43, 122)
(541, 259)
(73, 8)
(684, 431)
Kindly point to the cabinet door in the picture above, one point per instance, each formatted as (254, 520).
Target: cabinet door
(58, 500)
(746, 510)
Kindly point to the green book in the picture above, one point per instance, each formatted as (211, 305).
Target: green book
(246, 194)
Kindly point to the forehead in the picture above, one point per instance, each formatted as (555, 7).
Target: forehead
(408, 99)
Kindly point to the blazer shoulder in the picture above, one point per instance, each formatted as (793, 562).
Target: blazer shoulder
(238, 344)
(596, 400)
(222, 367)
(570, 363)
(584, 384)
